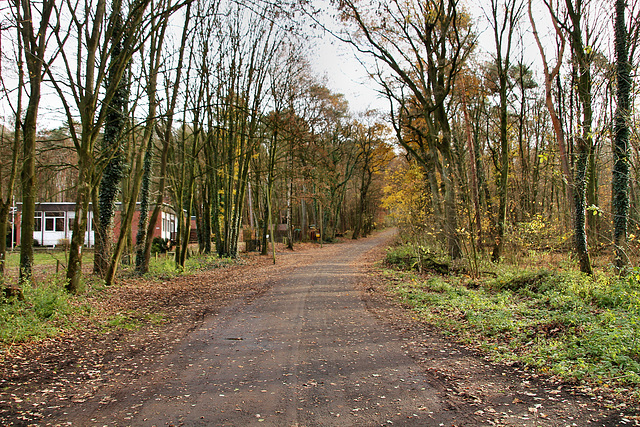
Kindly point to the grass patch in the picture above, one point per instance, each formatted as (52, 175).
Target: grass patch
(47, 309)
(44, 312)
(128, 321)
(48, 257)
(562, 323)
(163, 266)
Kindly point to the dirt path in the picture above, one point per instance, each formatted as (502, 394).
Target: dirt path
(311, 351)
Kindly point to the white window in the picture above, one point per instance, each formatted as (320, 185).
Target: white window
(54, 221)
(37, 226)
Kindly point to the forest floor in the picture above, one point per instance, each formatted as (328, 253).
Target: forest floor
(316, 339)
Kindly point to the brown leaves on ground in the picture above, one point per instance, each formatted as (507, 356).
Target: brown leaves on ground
(125, 331)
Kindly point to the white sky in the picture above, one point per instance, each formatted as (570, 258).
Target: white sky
(346, 75)
(337, 63)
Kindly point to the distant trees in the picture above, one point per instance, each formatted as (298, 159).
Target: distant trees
(423, 46)
(225, 121)
(483, 140)
(374, 153)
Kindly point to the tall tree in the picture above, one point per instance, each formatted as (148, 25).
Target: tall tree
(166, 136)
(85, 75)
(151, 67)
(424, 46)
(248, 41)
(34, 40)
(503, 30)
(140, 163)
(620, 179)
(582, 52)
(576, 188)
(112, 149)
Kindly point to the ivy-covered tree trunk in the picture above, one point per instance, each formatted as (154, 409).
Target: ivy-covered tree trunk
(579, 195)
(127, 215)
(115, 123)
(142, 265)
(156, 42)
(620, 180)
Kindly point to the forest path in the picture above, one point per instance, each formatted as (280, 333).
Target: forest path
(307, 352)
(320, 345)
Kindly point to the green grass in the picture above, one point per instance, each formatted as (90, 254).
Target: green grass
(44, 312)
(562, 323)
(45, 257)
(47, 309)
(163, 265)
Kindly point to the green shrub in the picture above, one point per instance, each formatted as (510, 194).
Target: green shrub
(159, 245)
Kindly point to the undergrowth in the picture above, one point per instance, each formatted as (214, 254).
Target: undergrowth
(47, 309)
(563, 323)
(164, 266)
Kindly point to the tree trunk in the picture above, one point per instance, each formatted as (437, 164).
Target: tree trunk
(74, 269)
(585, 143)
(620, 180)
(115, 123)
(504, 168)
(362, 205)
(473, 175)
(450, 209)
(142, 264)
(579, 215)
(167, 138)
(289, 215)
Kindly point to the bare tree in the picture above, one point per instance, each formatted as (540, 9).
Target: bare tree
(503, 18)
(165, 132)
(248, 42)
(34, 40)
(80, 84)
(424, 45)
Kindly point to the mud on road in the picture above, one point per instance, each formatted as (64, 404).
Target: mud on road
(313, 341)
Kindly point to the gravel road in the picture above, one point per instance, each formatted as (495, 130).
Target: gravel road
(312, 341)
(306, 353)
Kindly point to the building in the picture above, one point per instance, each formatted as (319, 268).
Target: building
(54, 224)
